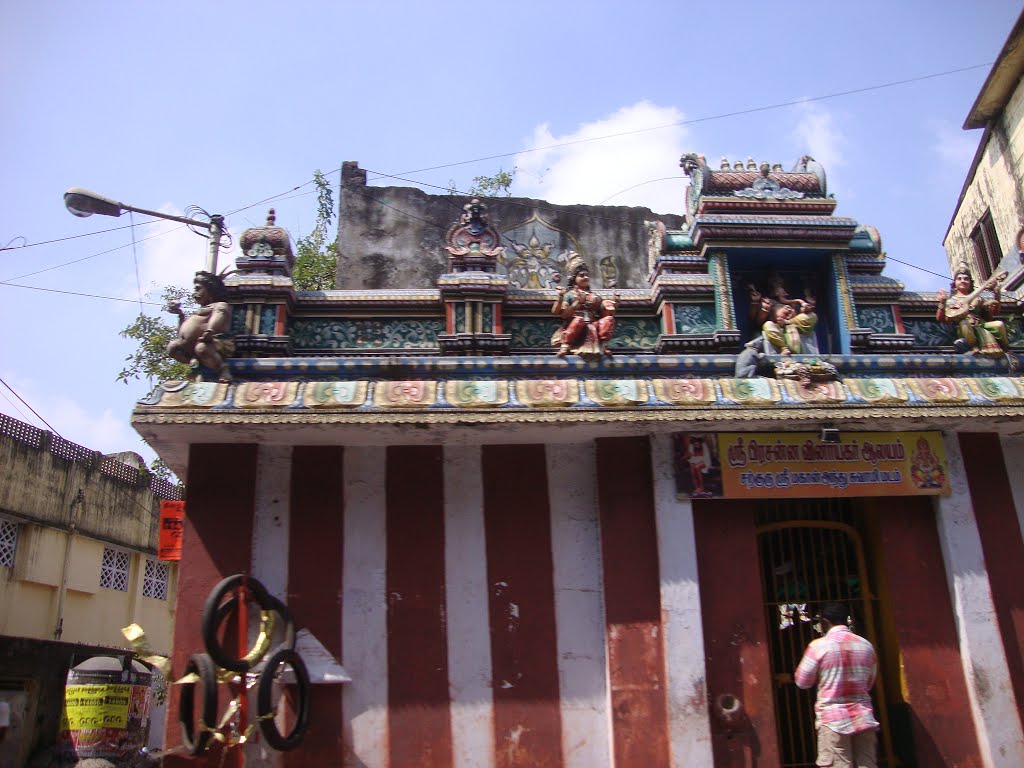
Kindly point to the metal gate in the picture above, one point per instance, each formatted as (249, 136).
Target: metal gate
(811, 554)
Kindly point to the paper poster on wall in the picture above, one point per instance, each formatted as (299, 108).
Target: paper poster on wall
(172, 527)
(751, 465)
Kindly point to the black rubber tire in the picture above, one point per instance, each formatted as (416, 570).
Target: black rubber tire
(214, 613)
(265, 708)
(202, 665)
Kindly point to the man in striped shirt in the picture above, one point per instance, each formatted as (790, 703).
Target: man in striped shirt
(843, 666)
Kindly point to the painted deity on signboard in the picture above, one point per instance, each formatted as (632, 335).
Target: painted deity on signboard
(977, 330)
(698, 472)
(203, 340)
(588, 320)
(925, 468)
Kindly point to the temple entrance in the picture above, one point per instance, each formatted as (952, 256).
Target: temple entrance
(811, 553)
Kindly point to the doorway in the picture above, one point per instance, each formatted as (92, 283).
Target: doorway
(811, 553)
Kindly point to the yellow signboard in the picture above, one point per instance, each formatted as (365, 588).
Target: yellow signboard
(96, 706)
(801, 465)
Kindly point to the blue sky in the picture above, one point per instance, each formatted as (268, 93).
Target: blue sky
(163, 105)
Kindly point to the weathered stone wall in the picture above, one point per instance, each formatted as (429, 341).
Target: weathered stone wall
(394, 237)
(996, 186)
(39, 486)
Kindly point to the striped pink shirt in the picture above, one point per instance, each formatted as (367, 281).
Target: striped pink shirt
(843, 666)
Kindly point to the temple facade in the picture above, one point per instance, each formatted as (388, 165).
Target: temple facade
(543, 512)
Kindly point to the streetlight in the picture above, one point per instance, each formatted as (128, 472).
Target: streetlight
(82, 202)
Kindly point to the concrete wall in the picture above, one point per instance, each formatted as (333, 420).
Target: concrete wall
(51, 489)
(995, 186)
(36, 485)
(394, 237)
(92, 615)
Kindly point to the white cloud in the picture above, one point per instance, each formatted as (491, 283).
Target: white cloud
(630, 169)
(818, 135)
(955, 147)
(104, 430)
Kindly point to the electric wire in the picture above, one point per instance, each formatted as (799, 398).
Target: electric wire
(135, 257)
(508, 200)
(71, 237)
(14, 392)
(90, 476)
(641, 184)
(15, 406)
(77, 293)
(692, 121)
(708, 118)
(560, 210)
(87, 258)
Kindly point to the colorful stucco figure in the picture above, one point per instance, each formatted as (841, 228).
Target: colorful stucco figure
(588, 321)
(203, 340)
(978, 332)
(787, 330)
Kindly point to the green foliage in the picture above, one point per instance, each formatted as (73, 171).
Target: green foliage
(152, 335)
(158, 469)
(316, 260)
(487, 186)
(315, 266)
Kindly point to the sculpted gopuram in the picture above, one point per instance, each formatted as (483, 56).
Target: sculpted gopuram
(567, 486)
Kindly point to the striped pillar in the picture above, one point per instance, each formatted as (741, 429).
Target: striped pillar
(364, 608)
(419, 726)
(524, 669)
(992, 500)
(579, 610)
(636, 658)
(689, 731)
(315, 587)
(496, 607)
(216, 544)
(989, 690)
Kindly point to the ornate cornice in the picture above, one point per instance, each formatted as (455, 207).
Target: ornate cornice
(842, 414)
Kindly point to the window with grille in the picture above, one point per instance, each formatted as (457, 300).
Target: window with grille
(154, 580)
(986, 246)
(114, 570)
(8, 542)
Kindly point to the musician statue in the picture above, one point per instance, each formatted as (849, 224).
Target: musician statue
(588, 320)
(978, 332)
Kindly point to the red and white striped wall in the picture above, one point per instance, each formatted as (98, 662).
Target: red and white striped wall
(525, 606)
(507, 606)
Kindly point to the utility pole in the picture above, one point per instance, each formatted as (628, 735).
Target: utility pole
(76, 510)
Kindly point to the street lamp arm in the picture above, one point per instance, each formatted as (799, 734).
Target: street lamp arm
(169, 217)
(82, 202)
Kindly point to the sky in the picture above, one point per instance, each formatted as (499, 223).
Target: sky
(226, 104)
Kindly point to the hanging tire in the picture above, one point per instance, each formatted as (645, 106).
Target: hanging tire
(265, 706)
(196, 741)
(214, 613)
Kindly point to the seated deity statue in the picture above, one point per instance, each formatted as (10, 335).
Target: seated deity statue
(588, 320)
(789, 331)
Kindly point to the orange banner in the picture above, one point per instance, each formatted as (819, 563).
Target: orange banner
(172, 526)
(801, 465)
